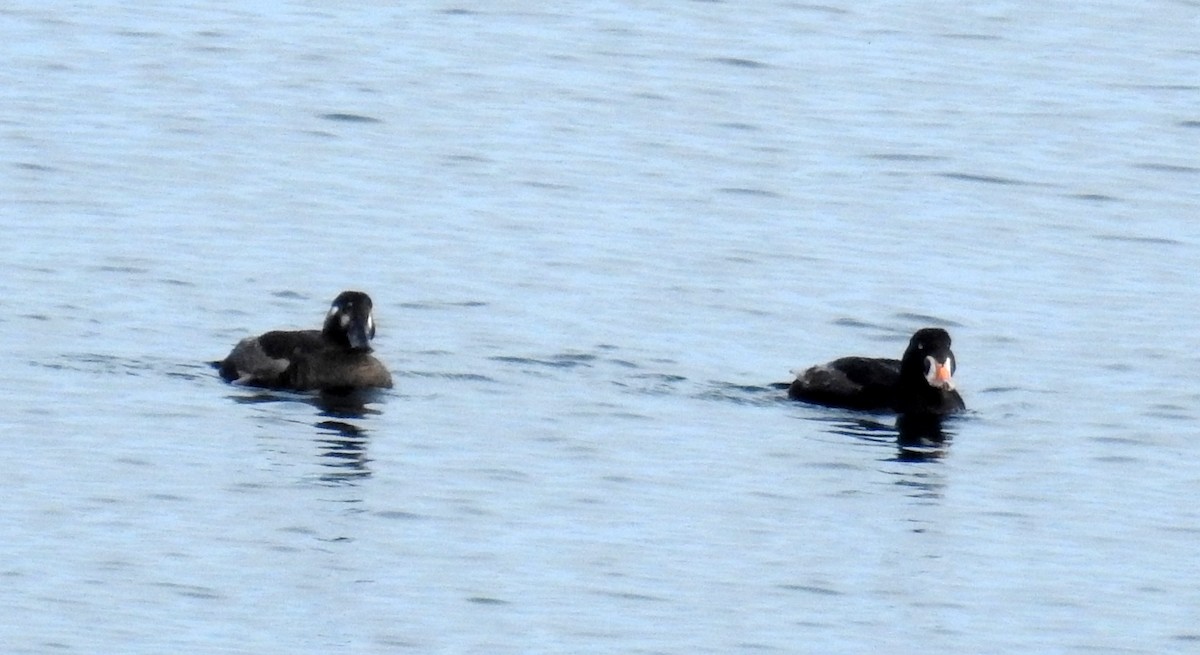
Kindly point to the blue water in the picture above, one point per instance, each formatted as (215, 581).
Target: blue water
(595, 236)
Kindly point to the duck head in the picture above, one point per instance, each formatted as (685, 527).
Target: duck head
(350, 322)
(929, 356)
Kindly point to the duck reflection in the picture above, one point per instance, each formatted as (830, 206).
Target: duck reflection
(342, 443)
(921, 437)
(918, 437)
(351, 404)
(344, 449)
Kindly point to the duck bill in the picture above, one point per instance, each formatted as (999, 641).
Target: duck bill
(939, 376)
(358, 336)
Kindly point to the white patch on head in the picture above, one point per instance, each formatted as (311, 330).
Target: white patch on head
(370, 323)
(333, 309)
(931, 373)
(344, 320)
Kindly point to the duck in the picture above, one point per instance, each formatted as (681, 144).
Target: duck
(335, 358)
(920, 383)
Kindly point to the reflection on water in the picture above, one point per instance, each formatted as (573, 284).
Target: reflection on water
(352, 404)
(906, 442)
(920, 482)
(921, 438)
(342, 444)
(917, 438)
(339, 405)
(343, 449)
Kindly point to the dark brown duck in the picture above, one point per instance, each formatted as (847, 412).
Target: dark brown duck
(335, 358)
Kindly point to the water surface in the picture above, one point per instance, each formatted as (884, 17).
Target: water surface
(595, 237)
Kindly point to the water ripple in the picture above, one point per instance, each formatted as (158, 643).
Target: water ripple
(349, 118)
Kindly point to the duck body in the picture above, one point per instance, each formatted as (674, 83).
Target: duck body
(919, 383)
(865, 383)
(337, 357)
